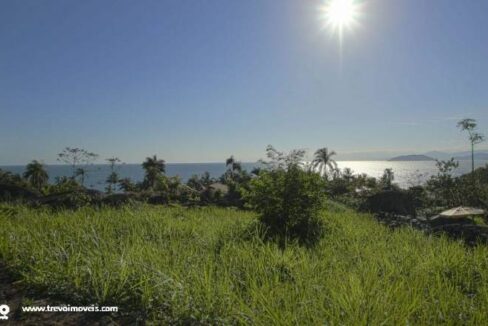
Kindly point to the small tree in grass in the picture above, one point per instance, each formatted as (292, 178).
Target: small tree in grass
(288, 199)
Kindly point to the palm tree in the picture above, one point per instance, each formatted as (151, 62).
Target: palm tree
(113, 177)
(36, 174)
(230, 161)
(323, 161)
(469, 125)
(233, 165)
(234, 169)
(153, 168)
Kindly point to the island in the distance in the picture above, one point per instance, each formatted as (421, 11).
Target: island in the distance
(412, 158)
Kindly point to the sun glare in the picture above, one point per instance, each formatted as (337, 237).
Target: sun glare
(340, 14)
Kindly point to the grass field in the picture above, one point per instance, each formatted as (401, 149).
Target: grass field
(204, 265)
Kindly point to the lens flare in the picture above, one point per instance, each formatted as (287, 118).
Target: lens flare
(339, 15)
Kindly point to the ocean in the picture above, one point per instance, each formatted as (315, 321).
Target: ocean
(406, 173)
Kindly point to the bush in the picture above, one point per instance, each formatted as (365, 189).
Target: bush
(17, 193)
(234, 196)
(289, 202)
(390, 201)
(70, 200)
(63, 185)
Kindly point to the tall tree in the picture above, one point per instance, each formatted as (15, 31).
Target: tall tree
(387, 179)
(323, 161)
(469, 125)
(36, 174)
(153, 168)
(234, 169)
(113, 177)
(280, 160)
(75, 157)
(347, 174)
(233, 165)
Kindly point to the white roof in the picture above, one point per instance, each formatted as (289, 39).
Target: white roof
(462, 212)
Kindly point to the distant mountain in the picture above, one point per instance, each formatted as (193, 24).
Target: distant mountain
(477, 156)
(480, 154)
(412, 158)
(460, 156)
(366, 156)
(439, 155)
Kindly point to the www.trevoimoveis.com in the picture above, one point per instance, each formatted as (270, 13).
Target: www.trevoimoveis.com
(5, 309)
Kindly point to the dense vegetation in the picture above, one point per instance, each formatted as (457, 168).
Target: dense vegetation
(210, 265)
(233, 187)
(279, 253)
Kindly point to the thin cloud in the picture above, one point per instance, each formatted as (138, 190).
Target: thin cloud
(409, 124)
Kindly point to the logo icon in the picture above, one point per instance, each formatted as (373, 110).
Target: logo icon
(4, 310)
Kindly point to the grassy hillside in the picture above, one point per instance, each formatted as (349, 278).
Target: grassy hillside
(177, 264)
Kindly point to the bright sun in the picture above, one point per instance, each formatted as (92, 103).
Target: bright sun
(340, 14)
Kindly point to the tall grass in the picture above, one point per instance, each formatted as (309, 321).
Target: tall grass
(196, 265)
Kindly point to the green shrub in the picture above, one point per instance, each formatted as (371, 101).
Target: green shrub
(62, 185)
(289, 202)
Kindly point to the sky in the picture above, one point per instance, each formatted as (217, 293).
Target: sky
(198, 81)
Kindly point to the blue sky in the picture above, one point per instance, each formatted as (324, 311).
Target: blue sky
(197, 81)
